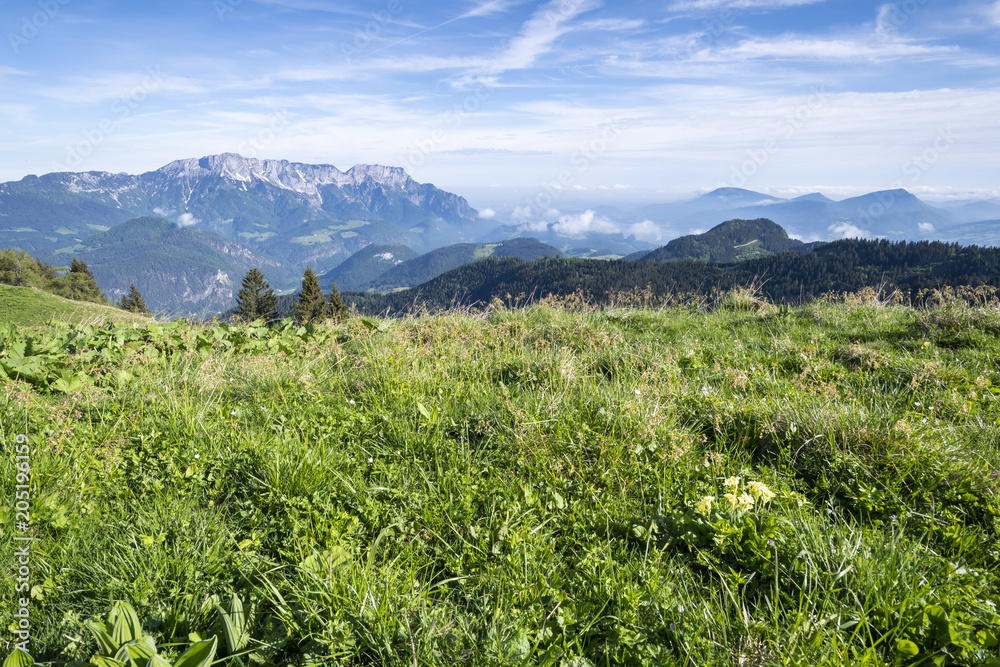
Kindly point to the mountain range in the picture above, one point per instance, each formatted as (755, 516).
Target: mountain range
(217, 215)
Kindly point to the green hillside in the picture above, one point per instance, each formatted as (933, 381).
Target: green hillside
(366, 265)
(731, 241)
(179, 270)
(790, 277)
(432, 264)
(815, 485)
(27, 306)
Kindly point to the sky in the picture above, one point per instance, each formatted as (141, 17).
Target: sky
(619, 99)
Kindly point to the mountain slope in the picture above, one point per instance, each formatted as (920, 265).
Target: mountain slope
(731, 241)
(430, 265)
(366, 265)
(179, 270)
(846, 265)
(27, 306)
(296, 213)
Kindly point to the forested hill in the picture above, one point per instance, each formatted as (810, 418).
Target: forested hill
(847, 265)
(731, 241)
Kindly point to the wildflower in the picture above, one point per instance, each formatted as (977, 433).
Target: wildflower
(371, 460)
(638, 393)
(706, 390)
(732, 500)
(760, 491)
(233, 412)
(197, 456)
(351, 401)
(704, 506)
(745, 502)
(731, 484)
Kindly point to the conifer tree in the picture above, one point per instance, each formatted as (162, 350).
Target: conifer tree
(337, 309)
(79, 284)
(133, 302)
(312, 306)
(256, 300)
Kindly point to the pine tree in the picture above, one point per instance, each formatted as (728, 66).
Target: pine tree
(312, 306)
(133, 302)
(256, 300)
(337, 309)
(79, 284)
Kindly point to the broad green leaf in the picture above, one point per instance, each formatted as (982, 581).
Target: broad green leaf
(200, 654)
(124, 656)
(18, 659)
(125, 624)
(987, 638)
(105, 642)
(141, 651)
(907, 648)
(102, 661)
(233, 625)
(157, 661)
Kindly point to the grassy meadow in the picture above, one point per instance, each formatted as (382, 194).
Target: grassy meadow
(736, 485)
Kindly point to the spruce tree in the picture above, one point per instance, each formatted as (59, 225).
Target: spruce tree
(337, 309)
(79, 284)
(133, 302)
(312, 306)
(256, 300)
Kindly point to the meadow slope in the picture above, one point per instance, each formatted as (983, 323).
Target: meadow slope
(520, 487)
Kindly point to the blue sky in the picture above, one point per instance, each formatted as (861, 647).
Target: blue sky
(661, 99)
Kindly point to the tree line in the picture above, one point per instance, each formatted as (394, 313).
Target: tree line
(256, 300)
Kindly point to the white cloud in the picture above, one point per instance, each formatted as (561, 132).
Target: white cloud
(187, 220)
(536, 226)
(521, 213)
(539, 33)
(487, 214)
(926, 227)
(587, 222)
(647, 230)
(847, 230)
(826, 50)
(741, 4)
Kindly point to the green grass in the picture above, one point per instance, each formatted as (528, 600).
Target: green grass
(27, 306)
(525, 487)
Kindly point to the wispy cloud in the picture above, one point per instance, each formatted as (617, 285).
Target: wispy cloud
(687, 5)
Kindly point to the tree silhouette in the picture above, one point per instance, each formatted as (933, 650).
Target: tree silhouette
(337, 309)
(311, 306)
(256, 300)
(133, 302)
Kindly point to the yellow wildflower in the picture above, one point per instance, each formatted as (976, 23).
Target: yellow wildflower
(732, 499)
(732, 484)
(760, 491)
(745, 501)
(704, 506)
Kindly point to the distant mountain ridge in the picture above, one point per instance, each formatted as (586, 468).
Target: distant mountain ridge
(432, 264)
(732, 241)
(298, 213)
